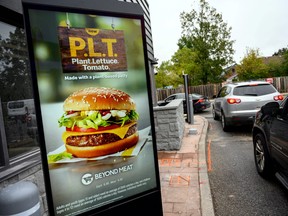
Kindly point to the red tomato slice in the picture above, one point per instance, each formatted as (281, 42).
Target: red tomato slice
(89, 130)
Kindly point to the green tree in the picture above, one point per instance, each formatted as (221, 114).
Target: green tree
(281, 52)
(285, 64)
(165, 76)
(170, 73)
(14, 67)
(207, 35)
(184, 63)
(252, 66)
(275, 68)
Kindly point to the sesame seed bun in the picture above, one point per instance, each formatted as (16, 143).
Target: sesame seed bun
(99, 98)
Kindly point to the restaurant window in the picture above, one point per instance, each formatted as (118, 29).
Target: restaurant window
(18, 127)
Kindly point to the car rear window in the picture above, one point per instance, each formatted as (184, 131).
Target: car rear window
(254, 90)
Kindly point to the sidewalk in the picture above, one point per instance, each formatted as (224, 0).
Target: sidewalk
(185, 185)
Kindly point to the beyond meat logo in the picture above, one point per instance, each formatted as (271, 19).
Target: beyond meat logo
(89, 49)
(87, 179)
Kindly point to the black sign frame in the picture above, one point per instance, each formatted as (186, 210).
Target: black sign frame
(145, 202)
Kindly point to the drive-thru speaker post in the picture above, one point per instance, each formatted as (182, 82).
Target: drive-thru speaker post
(189, 100)
(93, 103)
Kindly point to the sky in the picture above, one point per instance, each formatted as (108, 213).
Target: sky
(256, 24)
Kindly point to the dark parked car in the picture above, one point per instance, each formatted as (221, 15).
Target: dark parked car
(200, 102)
(270, 141)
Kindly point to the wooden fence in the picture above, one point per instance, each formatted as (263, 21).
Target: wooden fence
(280, 83)
(209, 90)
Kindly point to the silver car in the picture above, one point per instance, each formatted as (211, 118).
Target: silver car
(237, 103)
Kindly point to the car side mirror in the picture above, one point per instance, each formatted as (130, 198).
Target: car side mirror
(270, 109)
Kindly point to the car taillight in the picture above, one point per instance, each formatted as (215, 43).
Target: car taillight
(234, 100)
(278, 97)
(200, 101)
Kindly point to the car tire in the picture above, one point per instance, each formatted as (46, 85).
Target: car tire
(262, 157)
(215, 116)
(225, 127)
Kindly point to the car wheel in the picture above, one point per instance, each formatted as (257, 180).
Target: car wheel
(215, 116)
(224, 123)
(261, 156)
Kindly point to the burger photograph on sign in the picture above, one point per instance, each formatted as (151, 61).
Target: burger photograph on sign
(99, 121)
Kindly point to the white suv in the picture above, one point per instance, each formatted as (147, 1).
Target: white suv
(237, 103)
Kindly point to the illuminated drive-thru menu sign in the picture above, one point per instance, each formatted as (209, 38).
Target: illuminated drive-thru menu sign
(92, 95)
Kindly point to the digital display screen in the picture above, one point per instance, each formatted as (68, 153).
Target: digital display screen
(90, 74)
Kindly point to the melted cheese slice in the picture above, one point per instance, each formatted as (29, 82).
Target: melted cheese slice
(120, 131)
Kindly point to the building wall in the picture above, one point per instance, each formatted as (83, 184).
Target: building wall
(148, 31)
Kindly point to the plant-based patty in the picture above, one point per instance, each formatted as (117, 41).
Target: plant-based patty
(97, 139)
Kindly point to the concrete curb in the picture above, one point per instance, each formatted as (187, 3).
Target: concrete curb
(207, 208)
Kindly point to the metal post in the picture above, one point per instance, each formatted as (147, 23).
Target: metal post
(191, 110)
(4, 158)
(189, 103)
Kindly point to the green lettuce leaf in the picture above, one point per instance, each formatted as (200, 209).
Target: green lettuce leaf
(56, 157)
(95, 120)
